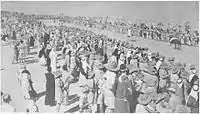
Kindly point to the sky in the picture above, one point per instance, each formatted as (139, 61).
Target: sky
(169, 11)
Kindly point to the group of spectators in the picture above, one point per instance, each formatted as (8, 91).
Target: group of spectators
(114, 76)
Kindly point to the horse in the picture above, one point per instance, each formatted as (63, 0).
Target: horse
(175, 41)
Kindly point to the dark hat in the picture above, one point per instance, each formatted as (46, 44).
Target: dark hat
(123, 67)
(6, 98)
(91, 74)
(171, 58)
(2, 93)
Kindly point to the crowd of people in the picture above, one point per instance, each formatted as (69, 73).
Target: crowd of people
(114, 76)
(146, 30)
(158, 31)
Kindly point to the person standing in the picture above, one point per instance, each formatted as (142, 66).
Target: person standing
(16, 54)
(14, 35)
(47, 51)
(28, 91)
(41, 55)
(50, 88)
(59, 96)
(21, 51)
(121, 102)
(67, 79)
(53, 57)
(32, 41)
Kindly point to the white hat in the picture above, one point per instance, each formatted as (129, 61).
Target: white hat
(194, 71)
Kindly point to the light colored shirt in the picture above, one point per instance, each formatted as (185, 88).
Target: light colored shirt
(110, 77)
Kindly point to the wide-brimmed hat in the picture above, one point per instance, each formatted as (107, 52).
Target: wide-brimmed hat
(158, 97)
(164, 66)
(132, 68)
(184, 75)
(172, 89)
(58, 73)
(144, 99)
(112, 66)
(163, 74)
(191, 67)
(171, 58)
(175, 69)
(179, 65)
(150, 69)
(182, 109)
(91, 74)
(123, 78)
(151, 81)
